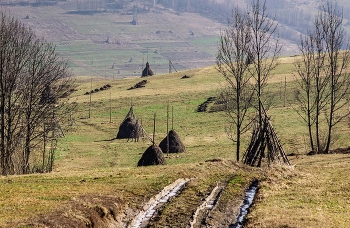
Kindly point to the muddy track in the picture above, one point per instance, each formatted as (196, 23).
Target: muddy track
(190, 203)
(202, 212)
(208, 210)
(150, 209)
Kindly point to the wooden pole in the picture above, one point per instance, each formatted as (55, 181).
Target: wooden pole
(143, 61)
(169, 67)
(146, 64)
(285, 91)
(281, 90)
(154, 126)
(110, 107)
(44, 152)
(167, 129)
(172, 117)
(90, 98)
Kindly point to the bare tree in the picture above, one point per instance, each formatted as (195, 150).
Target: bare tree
(46, 80)
(312, 93)
(233, 53)
(14, 39)
(265, 50)
(324, 86)
(306, 69)
(27, 67)
(337, 61)
(247, 51)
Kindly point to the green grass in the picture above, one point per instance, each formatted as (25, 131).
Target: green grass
(81, 38)
(89, 163)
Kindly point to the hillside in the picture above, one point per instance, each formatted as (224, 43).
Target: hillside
(108, 44)
(95, 181)
(116, 38)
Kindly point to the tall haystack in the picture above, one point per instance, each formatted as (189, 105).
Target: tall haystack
(152, 156)
(147, 71)
(173, 142)
(130, 128)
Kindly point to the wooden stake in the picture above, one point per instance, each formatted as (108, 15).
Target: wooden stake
(172, 117)
(167, 129)
(110, 107)
(285, 90)
(154, 126)
(90, 98)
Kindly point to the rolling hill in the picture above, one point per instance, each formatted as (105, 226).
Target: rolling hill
(116, 38)
(96, 181)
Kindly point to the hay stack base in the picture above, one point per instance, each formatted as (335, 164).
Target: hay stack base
(152, 156)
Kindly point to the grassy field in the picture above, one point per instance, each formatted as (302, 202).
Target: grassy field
(107, 44)
(94, 171)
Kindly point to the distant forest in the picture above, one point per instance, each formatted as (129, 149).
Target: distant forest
(294, 16)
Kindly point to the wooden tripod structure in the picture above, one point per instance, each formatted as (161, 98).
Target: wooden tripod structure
(264, 137)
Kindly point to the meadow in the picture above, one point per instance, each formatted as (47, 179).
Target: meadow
(94, 172)
(107, 44)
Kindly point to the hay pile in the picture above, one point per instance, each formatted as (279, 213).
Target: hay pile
(130, 128)
(147, 71)
(175, 143)
(152, 156)
(140, 84)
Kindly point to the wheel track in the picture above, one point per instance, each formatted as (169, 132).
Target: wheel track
(149, 209)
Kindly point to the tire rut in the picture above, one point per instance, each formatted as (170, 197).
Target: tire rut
(156, 202)
(199, 217)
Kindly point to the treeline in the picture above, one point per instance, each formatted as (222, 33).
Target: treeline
(30, 2)
(33, 84)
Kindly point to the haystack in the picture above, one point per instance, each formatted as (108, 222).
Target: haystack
(147, 71)
(175, 143)
(152, 156)
(48, 96)
(130, 128)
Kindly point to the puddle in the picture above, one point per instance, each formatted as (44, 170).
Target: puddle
(143, 218)
(248, 200)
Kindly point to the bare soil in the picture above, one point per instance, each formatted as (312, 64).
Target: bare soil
(96, 210)
(283, 190)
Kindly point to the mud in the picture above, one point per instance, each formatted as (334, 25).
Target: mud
(149, 209)
(203, 210)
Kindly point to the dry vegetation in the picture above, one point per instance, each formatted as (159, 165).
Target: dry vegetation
(97, 176)
(316, 195)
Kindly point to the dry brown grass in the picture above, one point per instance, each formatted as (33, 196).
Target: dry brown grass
(91, 166)
(315, 194)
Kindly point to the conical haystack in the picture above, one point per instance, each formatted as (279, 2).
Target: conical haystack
(175, 143)
(152, 156)
(130, 127)
(147, 71)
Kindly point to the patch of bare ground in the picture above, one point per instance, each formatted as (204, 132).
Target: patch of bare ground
(119, 209)
(182, 211)
(86, 211)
